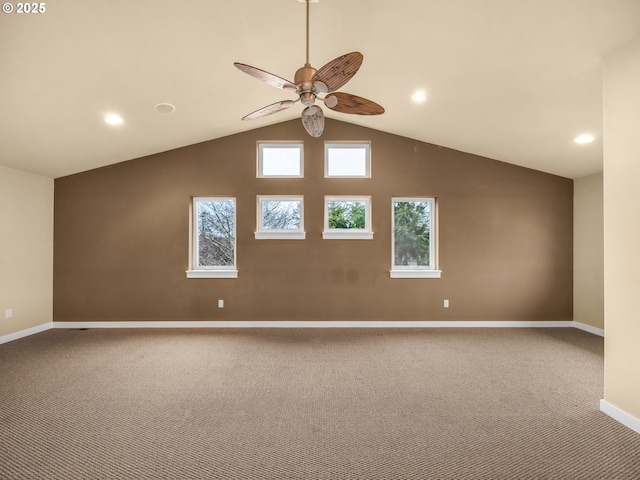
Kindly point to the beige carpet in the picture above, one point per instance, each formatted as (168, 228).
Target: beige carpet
(309, 404)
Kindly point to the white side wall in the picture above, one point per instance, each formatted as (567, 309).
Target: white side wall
(26, 250)
(588, 251)
(622, 229)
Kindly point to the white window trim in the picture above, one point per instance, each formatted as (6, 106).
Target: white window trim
(293, 145)
(197, 271)
(280, 235)
(272, 234)
(211, 273)
(416, 273)
(346, 233)
(408, 271)
(355, 145)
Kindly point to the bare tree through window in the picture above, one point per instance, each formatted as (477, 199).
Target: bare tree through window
(216, 233)
(281, 214)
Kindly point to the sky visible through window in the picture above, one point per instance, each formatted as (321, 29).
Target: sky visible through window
(280, 162)
(347, 162)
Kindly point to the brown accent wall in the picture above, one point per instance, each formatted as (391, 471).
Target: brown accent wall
(122, 237)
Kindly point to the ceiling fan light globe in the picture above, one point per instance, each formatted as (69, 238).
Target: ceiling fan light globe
(310, 110)
(320, 87)
(331, 101)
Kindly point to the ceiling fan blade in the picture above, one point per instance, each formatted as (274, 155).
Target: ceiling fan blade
(313, 120)
(268, 110)
(348, 103)
(267, 77)
(338, 71)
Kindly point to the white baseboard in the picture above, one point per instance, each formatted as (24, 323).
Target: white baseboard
(304, 324)
(620, 415)
(25, 333)
(318, 324)
(589, 328)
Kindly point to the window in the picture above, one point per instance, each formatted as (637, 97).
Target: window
(347, 160)
(280, 160)
(214, 238)
(347, 218)
(280, 217)
(413, 252)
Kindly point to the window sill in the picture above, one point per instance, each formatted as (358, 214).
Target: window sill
(280, 235)
(346, 235)
(212, 273)
(417, 273)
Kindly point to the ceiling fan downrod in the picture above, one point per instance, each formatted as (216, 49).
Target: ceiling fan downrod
(307, 62)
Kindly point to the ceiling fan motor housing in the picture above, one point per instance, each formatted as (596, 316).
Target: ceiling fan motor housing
(303, 79)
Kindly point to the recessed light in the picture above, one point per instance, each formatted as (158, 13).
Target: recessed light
(584, 138)
(164, 108)
(113, 119)
(419, 96)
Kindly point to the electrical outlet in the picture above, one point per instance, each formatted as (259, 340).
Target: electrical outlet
(220, 303)
(446, 304)
(8, 313)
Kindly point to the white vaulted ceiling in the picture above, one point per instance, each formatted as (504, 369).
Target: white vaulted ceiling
(514, 80)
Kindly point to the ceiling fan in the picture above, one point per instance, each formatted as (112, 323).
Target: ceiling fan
(310, 83)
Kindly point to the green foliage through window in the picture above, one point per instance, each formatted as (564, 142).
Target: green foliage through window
(412, 231)
(346, 214)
